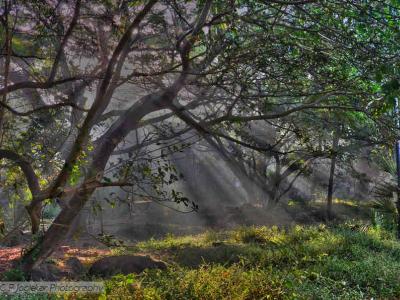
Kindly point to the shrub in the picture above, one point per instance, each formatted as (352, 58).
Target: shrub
(15, 274)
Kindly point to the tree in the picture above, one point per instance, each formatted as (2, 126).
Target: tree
(183, 66)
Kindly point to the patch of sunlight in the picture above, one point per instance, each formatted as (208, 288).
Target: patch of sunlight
(172, 241)
(211, 236)
(324, 243)
(254, 234)
(347, 202)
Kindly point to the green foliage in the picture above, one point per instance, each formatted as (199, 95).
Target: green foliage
(385, 160)
(207, 282)
(109, 240)
(15, 274)
(258, 235)
(384, 214)
(348, 261)
(50, 211)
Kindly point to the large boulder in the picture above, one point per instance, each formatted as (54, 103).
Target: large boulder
(124, 264)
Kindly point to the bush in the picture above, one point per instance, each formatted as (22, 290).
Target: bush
(15, 274)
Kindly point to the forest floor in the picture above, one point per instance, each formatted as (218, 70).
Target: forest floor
(86, 255)
(346, 260)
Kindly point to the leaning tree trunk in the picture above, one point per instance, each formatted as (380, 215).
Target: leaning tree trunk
(56, 233)
(104, 149)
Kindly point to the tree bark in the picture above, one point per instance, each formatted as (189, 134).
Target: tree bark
(34, 214)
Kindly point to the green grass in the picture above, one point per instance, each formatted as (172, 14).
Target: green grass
(349, 261)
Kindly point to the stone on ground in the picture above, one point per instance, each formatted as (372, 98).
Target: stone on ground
(124, 264)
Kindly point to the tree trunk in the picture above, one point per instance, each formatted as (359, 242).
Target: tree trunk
(276, 180)
(398, 216)
(105, 147)
(397, 154)
(35, 213)
(7, 46)
(56, 233)
(329, 214)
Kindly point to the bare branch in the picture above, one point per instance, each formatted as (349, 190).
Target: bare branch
(67, 35)
(38, 85)
(99, 104)
(41, 108)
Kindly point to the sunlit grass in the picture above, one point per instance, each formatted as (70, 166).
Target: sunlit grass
(349, 261)
(322, 200)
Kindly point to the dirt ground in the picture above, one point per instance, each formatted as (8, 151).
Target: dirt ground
(86, 255)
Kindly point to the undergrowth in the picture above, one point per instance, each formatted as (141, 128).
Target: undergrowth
(347, 261)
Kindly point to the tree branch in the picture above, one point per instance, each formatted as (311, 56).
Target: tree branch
(26, 167)
(38, 85)
(278, 115)
(41, 108)
(67, 35)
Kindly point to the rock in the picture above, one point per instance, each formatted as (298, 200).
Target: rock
(74, 267)
(47, 272)
(124, 264)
